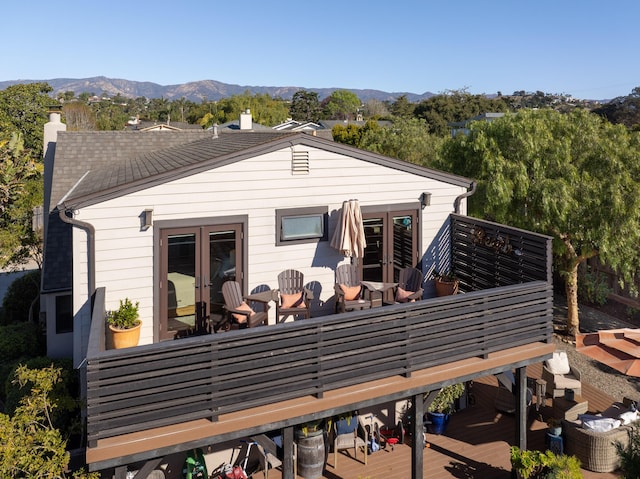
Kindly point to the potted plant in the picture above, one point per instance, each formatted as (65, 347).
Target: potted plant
(124, 324)
(446, 283)
(555, 426)
(440, 409)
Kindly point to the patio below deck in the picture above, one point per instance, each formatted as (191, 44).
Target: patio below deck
(476, 444)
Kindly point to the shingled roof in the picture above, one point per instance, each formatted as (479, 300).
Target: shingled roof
(93, 167)
(78, 152)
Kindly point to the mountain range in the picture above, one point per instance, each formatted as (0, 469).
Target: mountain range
(196, 91)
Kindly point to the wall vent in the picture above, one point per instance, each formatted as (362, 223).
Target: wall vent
(299, 162)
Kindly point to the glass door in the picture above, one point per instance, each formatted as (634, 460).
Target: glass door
(392, 244)
(195, 262)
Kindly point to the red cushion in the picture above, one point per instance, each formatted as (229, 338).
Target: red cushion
(351, 293)
(402, 296)
(291, 300)
(241, 318)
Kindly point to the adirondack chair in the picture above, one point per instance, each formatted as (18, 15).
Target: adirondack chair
(294, 297)
(409, 286)
(350, 294)
(239, 312)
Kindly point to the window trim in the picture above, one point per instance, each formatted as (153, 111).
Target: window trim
(308, 211)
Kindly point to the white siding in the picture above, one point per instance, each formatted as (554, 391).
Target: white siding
(255, 187)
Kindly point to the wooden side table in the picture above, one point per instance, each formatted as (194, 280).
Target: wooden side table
(565, 409)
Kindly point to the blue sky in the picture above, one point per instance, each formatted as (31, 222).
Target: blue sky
(586, 48)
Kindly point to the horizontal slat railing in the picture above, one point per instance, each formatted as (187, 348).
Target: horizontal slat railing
(173, 382)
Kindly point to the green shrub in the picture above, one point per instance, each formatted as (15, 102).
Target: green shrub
(630, 455)
(531, 464)
(21, 340)
(20, 294)
(593, 288)
(65, 393)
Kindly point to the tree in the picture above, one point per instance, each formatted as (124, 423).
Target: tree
(31, 445)
(402, 107)
(406, 139)
(375, 109)
(575, 177)
(624, 109)
(305, 106)
(21, 189)
(341, 105)
(24, 108)
(79, 116)
(453, 106)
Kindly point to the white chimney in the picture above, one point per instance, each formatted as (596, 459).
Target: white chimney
(51, 129)
(246, 123)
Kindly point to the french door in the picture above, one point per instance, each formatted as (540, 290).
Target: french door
(194, 263)
(392, 244)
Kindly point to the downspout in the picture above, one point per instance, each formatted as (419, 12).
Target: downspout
(458, 200)
(91, 246)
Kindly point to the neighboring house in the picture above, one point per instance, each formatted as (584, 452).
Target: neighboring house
(293, 125)
(165, 219)
(462, 127)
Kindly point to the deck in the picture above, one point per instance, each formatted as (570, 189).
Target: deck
(476, 444)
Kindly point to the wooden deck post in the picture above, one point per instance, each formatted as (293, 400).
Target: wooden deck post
(417, 437)
(288, 463)
(521, 407)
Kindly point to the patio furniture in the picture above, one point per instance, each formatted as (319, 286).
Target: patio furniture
(349, 434)
(560, 375)
(271, 453)
(564, 408)
(239, 312)
(506, 399)
(409, 287)
(350, 293)
(596, 450)
(294, 297)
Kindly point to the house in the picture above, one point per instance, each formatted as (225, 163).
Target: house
(165, 218)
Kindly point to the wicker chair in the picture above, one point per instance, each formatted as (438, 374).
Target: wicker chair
(596, 450)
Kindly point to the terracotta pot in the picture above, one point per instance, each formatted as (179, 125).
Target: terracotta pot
(446, 288)
(125, 338)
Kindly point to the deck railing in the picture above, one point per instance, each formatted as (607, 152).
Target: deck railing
(202, 377)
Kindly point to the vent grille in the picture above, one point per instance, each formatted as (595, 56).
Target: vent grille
(299, 162)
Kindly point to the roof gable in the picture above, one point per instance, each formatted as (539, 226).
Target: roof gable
(140, 170)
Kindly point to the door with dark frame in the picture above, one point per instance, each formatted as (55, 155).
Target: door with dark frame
(194, 263)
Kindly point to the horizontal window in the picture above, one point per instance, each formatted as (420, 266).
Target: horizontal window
(301, 225)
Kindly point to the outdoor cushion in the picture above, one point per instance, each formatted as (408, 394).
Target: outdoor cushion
(402, 296)
(351, 293)
(598, 423)
(559, 363)
(628, 417)
(291, 300)
(241, 318)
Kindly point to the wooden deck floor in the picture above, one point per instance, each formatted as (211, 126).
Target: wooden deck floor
(476, 444)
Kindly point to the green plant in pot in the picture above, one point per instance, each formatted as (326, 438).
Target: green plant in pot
(446, 283)
(440, 409)
(124, 324)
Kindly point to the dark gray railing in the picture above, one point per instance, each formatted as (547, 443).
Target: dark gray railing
(505, 273)
(172, 382)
